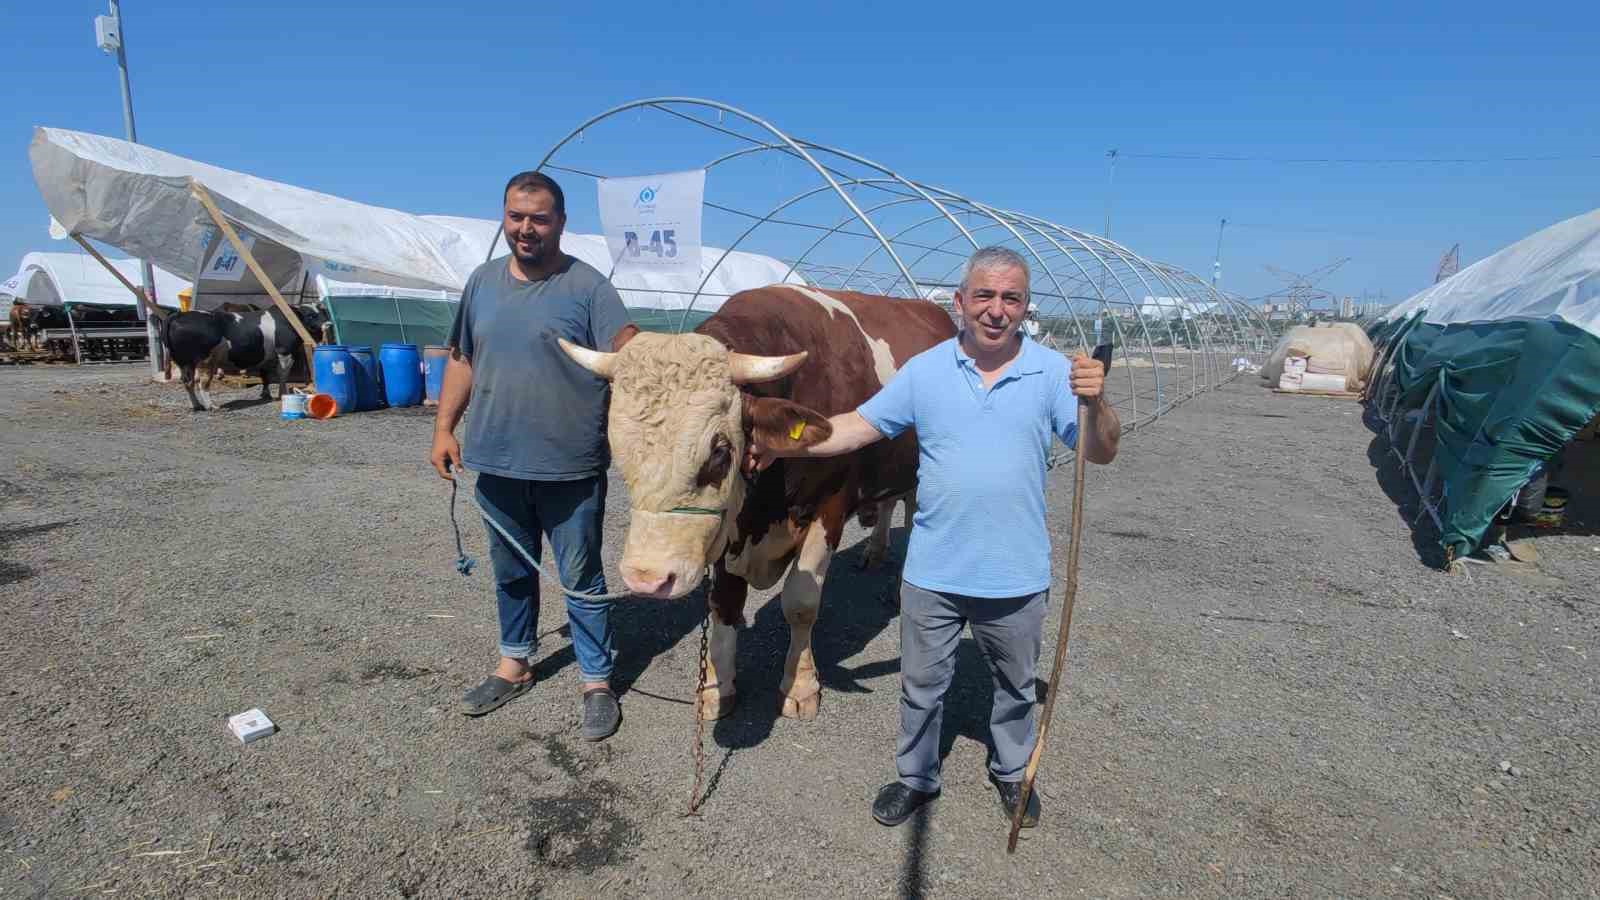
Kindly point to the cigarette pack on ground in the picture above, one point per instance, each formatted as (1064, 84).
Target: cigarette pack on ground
(251, 725)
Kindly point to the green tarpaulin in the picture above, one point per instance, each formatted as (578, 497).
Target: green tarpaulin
(1511, 394)
(1510, 350)
(374, 321)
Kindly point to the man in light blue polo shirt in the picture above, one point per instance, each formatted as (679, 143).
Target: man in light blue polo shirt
(985, 405)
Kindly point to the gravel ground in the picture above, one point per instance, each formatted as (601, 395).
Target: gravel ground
(1269, 694)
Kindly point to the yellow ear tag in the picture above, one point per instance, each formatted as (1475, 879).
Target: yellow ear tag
(794, 432)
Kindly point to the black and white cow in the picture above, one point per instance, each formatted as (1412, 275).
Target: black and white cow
(200, 343)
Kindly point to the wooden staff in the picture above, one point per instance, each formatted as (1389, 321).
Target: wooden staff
(1057, 673)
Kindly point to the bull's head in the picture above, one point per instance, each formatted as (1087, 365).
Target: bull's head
(679, 426)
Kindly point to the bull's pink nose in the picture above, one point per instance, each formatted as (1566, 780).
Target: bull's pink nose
(646, 581)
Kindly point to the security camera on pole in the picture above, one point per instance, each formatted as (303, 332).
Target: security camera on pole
(108, 34)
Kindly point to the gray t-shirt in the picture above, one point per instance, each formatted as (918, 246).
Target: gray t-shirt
(534, 413)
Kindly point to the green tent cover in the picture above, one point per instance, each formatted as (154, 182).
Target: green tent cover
(1511, 394)
(374, 321)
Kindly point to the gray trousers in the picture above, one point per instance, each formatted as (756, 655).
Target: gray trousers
(1008, 631)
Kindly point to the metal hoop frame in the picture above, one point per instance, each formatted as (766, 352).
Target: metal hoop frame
(1179, 336)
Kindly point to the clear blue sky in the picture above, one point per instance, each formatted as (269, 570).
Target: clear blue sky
(430, 109)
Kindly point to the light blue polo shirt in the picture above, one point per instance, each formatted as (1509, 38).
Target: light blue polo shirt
(979, 528)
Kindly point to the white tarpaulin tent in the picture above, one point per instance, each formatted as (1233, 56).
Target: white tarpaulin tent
(1173, 308)
(53, 279)
(138, 199)
(643, 289)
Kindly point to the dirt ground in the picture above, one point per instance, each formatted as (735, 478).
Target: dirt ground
(1269, 694)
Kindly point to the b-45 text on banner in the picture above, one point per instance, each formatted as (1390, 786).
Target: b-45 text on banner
(652, 222)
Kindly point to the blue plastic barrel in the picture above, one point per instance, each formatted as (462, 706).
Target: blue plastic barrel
(369, 384)
(335, 372)
(433, 359)
(402, 374)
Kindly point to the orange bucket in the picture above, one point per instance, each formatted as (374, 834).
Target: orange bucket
(321, 406)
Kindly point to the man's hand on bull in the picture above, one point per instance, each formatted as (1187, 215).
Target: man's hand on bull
(445, 455)
(1088, 377)
(845, 432)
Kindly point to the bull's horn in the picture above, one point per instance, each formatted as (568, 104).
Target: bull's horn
(747, 369)
(599, 363)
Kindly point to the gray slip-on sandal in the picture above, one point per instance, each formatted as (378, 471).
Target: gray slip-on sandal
(494, 693)
(601, 714)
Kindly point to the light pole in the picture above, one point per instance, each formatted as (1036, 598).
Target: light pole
(1111, 178)
(108, 33)
(1216, 263)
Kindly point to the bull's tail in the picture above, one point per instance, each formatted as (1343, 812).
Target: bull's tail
(165, 331)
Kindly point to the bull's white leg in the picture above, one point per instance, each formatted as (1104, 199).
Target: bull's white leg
(910, 500)
(802, 598)
(877, 548)
(285, 363)
(878, 542)
(213, 363)
(718, 698)
(188, 374)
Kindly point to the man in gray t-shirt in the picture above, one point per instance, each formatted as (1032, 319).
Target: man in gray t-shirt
(536, 437)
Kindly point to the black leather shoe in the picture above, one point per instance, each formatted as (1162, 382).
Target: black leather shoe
(896, 803)
(1009, 791)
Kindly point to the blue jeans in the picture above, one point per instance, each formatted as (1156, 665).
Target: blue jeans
(570, 513)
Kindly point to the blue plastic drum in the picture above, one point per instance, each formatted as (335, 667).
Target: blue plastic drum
(334, 370)
(402, 374)
(369, 383)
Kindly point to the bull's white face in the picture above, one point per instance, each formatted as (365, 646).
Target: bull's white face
(678, 433)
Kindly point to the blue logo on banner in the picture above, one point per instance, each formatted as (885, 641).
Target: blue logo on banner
(646, 200)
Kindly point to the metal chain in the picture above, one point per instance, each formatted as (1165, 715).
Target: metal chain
(699, 716)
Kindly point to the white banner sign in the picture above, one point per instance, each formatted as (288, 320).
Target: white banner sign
(226, 264)
(652, 222)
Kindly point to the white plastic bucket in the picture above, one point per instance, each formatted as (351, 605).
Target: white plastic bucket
(294, 406)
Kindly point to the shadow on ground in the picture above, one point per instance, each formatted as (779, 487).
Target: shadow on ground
(12, 572)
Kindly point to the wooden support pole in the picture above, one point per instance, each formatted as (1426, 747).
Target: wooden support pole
(200, 193)
(144, 304)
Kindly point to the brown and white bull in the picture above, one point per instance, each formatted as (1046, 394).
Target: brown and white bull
(775, 361)
(19, 326)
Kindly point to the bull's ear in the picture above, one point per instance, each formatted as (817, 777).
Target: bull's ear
(783, 424)
(623, 336)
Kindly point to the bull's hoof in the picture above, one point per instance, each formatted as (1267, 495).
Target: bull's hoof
(714, 706)
(802, 708)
